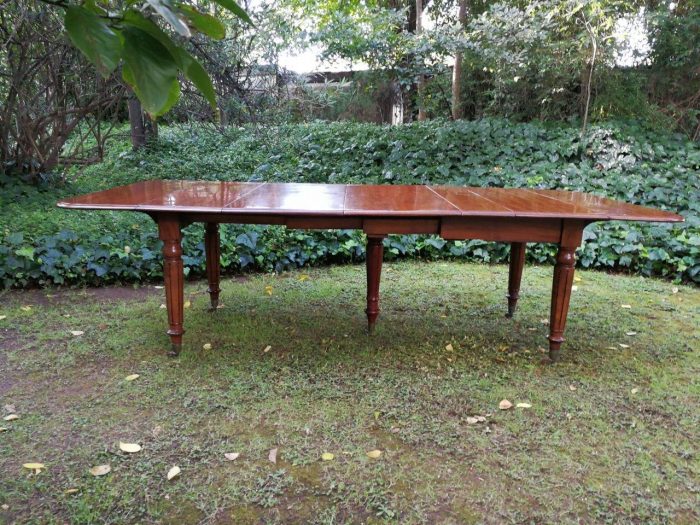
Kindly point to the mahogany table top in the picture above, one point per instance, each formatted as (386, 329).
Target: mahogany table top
(304, 199)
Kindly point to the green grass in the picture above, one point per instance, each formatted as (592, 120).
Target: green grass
(611, 436)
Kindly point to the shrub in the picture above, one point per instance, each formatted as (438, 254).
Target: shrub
(42, 244)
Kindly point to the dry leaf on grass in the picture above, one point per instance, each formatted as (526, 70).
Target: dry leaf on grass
(129, 447)
(36, 467)
(634, 391)
(374, 454)
(267, 349)
(231, 456)
(327, 456)
(572, 388)
(272, 456)
(11, 417)
(630, 333)
(627, 306)
(131, 377)
(173, 472)
(77, 332)
(187, 304)
(3, 429)
(26, 308)
(505, 405)
(163, 307)
(449, 348)
(3, 317)
(523, 405)
(206, 346)
(623, 345)
(100, 470)
(268, 290)
(303, 277)
(71, 491)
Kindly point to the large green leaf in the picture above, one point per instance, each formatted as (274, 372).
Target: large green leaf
(192, 69)
(237, 10)
(205, 23)
(150, 70)
(94, 38)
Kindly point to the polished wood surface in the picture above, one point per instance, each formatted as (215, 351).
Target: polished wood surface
(516, 216)
(253, 198)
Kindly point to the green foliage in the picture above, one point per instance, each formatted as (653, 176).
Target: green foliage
(41, 244)
(151, 59)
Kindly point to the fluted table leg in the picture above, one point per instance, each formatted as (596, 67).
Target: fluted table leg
(170, 234)
(375, 254)
(213, 255)
(515, 274)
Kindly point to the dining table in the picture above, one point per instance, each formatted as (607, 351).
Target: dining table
(516, 216)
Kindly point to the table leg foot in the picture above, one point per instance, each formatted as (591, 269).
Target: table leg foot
(515, 274)
(175, 349)
(561, 294)
(554, 351)
(375, 254)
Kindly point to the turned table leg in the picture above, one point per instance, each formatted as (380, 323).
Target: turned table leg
(515, 274)
(212, 248)
(169, 232)
(375, 253)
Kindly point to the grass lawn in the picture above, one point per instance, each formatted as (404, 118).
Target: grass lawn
(611, 437)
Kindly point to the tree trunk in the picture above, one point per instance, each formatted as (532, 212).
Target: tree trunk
(138, 129)
(421, 77)
(457, 108)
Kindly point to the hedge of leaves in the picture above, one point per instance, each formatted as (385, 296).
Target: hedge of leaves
(43, 245)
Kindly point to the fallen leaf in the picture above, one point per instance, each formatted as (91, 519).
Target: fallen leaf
(532, 329)
(131, 377)
(173, 472)
(163, 307)
(26, 308)
(449, 348)
(268, 290)
(158, 287)
(577, 279)
(574, 288)
(4, 506)
(100, 470)
(630, 333)
(544, 321)
(634, 391)
(11, 417)
(327, 456)
(472, 421)
(272, 456)
(33, 466)
(77, 332)
(625, 306)
(206, 346)
(231, 456)
(523, 405)
(376, 414)
(267, 348)
(3, 317)
(374, 454)
(71, 491)
(674, 289)
(303, 277)
(505, 405)
(127, 250)
(623, 345)
(3, 429)
(129, 447)
(572, 388)
(187, 304)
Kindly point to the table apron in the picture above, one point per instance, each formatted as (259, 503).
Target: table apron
(498, 229)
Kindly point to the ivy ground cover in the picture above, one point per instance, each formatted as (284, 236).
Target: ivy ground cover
(42, 245)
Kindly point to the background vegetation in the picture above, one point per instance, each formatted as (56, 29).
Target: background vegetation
(46, 245)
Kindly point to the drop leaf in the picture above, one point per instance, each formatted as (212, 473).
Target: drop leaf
(327, 456)
(131, 377)
(11, 417)
(173, 472)
(627, 306)
(303, 277)
(523, 405)
(630, 333)
(77, 332)
(163, 307)
(267, 349)
(268, 290)
(3, 317)
(71, 491)
(572, 388)
(34, 466)
(206, 346)
(26, 308)
(272, 456)
(623, 345)
(634, 391)
(674, 289)
(449, 347)
(100, 470)
(3, 429)
(129, 447)
(231, 456)
(577, 279)
(505, 405)
(374, 454)
(574, 288)
(472, 421)
(187, 304)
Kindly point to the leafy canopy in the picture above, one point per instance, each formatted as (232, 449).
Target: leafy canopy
(152, 57)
